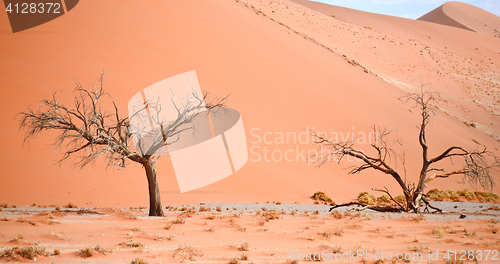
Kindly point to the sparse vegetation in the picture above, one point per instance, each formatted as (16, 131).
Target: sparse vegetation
(454, 261)
(323, 197)
(134, 244)
(440, 195)
(86, 252)
(383, 199)
(17, 239)
(336, 215)
(338, 231)
(418, 218)
(419, 247)
(179, 220)
(470, 124)
(439, 233)
(70, 205)
(139, 261)
(325, 234)
(244, 246)
(187, 252)
(366, 198)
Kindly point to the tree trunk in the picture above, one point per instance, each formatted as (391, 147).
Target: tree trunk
(419, 191)
(154, 193)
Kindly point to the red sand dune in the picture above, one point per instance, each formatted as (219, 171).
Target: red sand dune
(465, 16)
(280, 78)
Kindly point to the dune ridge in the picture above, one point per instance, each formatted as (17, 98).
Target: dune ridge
(465, 16)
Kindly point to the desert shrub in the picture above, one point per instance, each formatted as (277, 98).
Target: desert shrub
(420, 247)
(101, 250)
(367, 198)
(325, 234)
(435, 195)
(244, 246)
(187, 253)
(467, 195)
(338, 231)
(400, 199)
(470, 124)
(322, 196)
(86, 252)
(336, 215)
(454, 196)
(134, 244)
(486, 196)
(270, 215)
(383, 199)
(438, 233)
(139, 261)
(70, 205)
(32, 252)
(179, 220)
(234, 261)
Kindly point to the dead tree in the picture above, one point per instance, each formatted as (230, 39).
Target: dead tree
(92, 128)
(477, 164)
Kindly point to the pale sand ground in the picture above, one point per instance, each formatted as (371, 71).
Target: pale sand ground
(282, 77)
(219, 234)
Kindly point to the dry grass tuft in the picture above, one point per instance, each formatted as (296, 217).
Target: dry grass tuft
(325, 234)
(336, 215)
(419, 247)
(439, 233)
(70, 205)
(86, 252)
(323, 197)
(99, 249)
(187, 253)
(134, 244)
(454, 261)
(383, 199)
(439, 195)
(17, 239)
(270, 215)
(366, 198)
(338, 231)
(244, 246)
(418, 218)
(139, 261)
(179, 220)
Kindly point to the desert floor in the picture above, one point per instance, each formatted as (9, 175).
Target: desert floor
(258, 232)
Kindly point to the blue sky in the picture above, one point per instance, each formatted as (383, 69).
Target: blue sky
(408, 8)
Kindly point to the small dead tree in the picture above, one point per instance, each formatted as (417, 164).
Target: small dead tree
(477, 164)
(91, 129)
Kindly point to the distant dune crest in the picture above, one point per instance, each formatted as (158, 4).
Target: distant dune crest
(465, 16)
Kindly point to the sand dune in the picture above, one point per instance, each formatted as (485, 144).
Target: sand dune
(282, 77)
(461, 65)
(465, 16)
